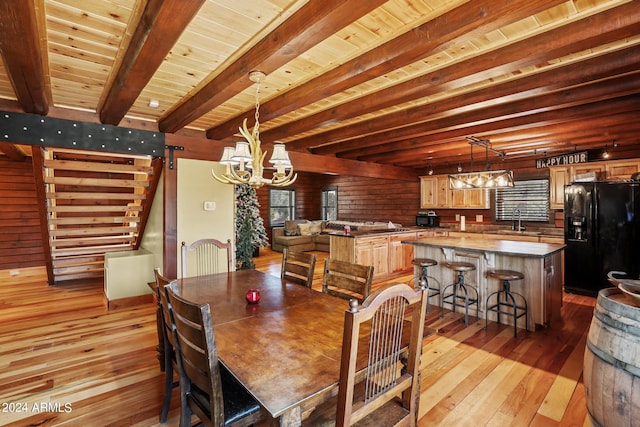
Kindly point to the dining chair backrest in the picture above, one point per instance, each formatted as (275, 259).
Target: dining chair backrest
(161, 282)
(381, 319)
(207, 389)
(204, 257)
(298, 267)
(165, 332)
(347, 280)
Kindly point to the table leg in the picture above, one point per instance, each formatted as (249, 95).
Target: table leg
(291, 418)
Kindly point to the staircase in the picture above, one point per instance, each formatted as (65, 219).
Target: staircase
(95, 203)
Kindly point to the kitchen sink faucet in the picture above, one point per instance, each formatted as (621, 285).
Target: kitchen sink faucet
(516, 211)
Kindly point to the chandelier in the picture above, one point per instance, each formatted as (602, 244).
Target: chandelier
(244, 163)
(481, 179)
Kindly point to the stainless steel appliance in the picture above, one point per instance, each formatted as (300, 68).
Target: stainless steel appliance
(427, 219)
(602, 233)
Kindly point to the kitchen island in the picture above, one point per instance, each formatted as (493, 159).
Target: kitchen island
(541, 264)
(383, 249)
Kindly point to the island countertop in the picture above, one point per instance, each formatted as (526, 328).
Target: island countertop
(504, 247)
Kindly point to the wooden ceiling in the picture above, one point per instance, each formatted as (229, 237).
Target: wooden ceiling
(398, 82)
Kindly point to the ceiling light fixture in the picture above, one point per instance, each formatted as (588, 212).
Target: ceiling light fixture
(244, 163)
(482, 179)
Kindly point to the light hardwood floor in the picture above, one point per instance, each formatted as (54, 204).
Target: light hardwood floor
(66, 360)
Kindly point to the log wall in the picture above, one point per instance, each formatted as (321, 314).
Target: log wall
(20, 240)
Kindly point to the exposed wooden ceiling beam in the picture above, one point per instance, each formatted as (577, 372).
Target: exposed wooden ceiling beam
(314, 22)
(625, 21)
(11, 151)
(579, 95)
(160, 26)
(561, 78)
(598, 115)
(22, 54)
(458, 25)
(509, 59)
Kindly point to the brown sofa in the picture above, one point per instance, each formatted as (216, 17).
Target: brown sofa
(304, 235)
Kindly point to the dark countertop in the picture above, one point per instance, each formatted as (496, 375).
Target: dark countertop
(373, 233)
(504, 247)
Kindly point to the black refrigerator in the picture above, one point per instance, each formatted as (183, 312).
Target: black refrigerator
(602, 233)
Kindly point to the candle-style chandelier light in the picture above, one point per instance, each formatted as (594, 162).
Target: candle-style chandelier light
(245, 163)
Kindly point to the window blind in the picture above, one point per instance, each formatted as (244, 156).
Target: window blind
(530, 197)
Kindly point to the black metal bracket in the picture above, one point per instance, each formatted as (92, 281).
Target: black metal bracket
(171, 149)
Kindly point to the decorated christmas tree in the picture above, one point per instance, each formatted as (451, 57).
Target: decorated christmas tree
(250, 231)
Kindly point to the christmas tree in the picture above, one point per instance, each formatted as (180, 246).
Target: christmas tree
(250, 231)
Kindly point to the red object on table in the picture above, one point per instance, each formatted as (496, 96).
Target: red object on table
(253, 296)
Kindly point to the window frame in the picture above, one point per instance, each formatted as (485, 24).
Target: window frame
(290, 206)
(323, 206)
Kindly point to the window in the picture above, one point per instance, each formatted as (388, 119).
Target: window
(282, 206)
(530, 197)
(330, 203)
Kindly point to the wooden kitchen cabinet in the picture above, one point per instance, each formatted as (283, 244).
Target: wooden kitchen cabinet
(373, 251)
(386, 253)
(444, 195)
(621, 169)
(582, 168)
(558, 178)
(400, 255)
(428, 192)
(435, 193)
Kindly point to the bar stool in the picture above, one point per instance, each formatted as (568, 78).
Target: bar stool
(508, 300)
(423, 280)
(460, 268)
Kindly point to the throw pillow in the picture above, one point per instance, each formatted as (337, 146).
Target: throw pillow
(315, 228)
(291, 228)
(305, 229)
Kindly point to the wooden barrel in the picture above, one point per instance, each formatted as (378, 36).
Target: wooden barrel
(612, 361)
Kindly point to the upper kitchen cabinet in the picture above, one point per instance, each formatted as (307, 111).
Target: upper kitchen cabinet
(622, 169)
(435, 193)
(559, 176)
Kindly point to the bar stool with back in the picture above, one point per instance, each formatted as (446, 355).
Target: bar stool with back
(454, 297)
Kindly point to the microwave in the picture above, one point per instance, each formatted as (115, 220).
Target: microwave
(428, 220)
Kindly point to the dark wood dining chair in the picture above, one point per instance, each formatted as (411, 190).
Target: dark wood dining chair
(379, 381)
(166, 337)
(347, 280)
(298, 267)
(204, 257)
(207, 389)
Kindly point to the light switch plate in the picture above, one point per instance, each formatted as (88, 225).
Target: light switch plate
(209, 206)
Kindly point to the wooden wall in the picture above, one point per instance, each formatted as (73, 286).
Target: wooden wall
(20, 239)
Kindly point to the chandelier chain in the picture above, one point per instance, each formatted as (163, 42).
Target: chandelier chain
(256, 126)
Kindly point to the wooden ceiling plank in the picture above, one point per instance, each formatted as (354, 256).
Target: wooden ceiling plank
(533, 51)
(22, 55)
(160, 26)
(619, 62)
(560, 141)
(614, 106)
(458, 25)
(414, 120)
(311, 24)
(582, 113)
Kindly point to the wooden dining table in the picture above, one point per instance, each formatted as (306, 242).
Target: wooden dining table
(285, 349)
